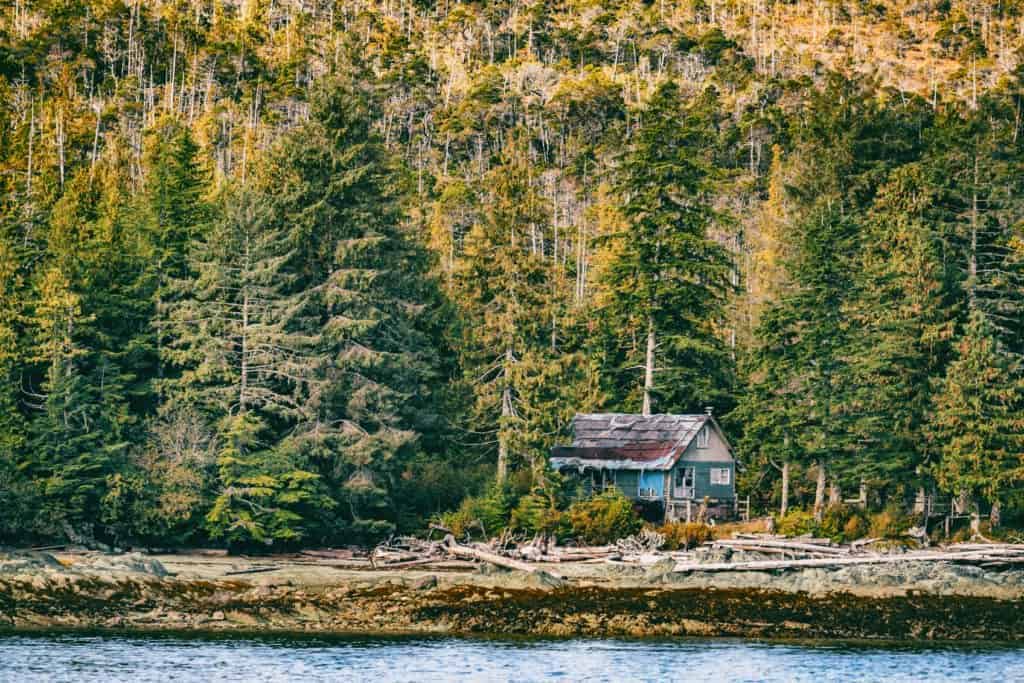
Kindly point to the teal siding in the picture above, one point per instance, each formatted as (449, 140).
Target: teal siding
(702, 482)
(628, 481)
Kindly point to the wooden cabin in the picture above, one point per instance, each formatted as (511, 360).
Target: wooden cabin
(672, 463)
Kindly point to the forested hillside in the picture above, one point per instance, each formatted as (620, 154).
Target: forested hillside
(307, 272)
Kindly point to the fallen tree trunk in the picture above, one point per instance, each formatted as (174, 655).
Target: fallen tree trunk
(768, 565)
(251, 570)
(484, 556)
(744, 544)
(772, 550)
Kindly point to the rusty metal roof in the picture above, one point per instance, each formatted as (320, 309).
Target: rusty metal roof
(624, 441)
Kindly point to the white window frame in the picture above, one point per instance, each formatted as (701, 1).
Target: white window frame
(721, 476)
(703, 437)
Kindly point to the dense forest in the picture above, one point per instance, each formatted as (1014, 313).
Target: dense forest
(310, 272)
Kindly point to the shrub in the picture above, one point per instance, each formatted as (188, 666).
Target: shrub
(604, 518)
(492, 510)
(842, 523)
(537, 513)
(855, 527)
(684, 535)
(890, 523)
(796, 523)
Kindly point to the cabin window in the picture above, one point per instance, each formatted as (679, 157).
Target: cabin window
(721, 476)
(683, 482)
(601, 479)
(702, 438)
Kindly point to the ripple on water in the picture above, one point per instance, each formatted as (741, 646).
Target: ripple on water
(139, 658)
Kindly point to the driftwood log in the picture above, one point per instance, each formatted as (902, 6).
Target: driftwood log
(466, 551)
(768, 565)
(794, 546)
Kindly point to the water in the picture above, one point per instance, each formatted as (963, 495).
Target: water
(138, 658)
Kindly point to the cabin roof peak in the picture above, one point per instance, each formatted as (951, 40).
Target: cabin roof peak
(615, 430)
(629, 441)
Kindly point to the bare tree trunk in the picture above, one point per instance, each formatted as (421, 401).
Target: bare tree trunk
(995, 516)
(244, 379)
(819, 491)
(784, 504)
(835, 495)
(649, 367)
(972, 263)
(506, 412)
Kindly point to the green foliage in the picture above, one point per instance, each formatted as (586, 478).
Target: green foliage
(488, 514)
(537, 513)
(796, 523)
(666, 280)
(978, 420)
(266, 497)
(843, 523)
(404, 270)
(604, 518)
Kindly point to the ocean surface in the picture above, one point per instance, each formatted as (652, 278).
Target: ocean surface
(137, 658)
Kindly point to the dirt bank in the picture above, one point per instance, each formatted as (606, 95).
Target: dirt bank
(911, 600)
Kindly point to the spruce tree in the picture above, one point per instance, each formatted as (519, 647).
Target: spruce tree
(242, 362)
(665, 286)
(978, 419)
(902, 317)
(501, 283)
(172, 210)
(78, 434)
(377, 314)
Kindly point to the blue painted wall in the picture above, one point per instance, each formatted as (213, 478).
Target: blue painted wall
(653, 480)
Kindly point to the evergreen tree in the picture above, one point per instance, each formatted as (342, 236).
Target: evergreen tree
(665, 287)
(172, 211)
(977, 423)
(244, 364)
(78, 436)
(500, 282)
(378, 314)
(798, 397)
(902, 319)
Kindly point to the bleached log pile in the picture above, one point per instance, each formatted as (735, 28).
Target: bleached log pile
(759, 552)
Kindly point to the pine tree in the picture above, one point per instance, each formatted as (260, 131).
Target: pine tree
(977, 423)
(664, 290)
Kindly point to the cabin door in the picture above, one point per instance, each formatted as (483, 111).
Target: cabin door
(683, 482)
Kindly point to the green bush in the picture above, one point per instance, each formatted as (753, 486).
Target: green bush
(538, 513)
(843, 523)
(491, 510)
(604, 518)
(796, 523)
(685, 535)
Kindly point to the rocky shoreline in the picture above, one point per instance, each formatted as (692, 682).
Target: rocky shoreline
(936, 601)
